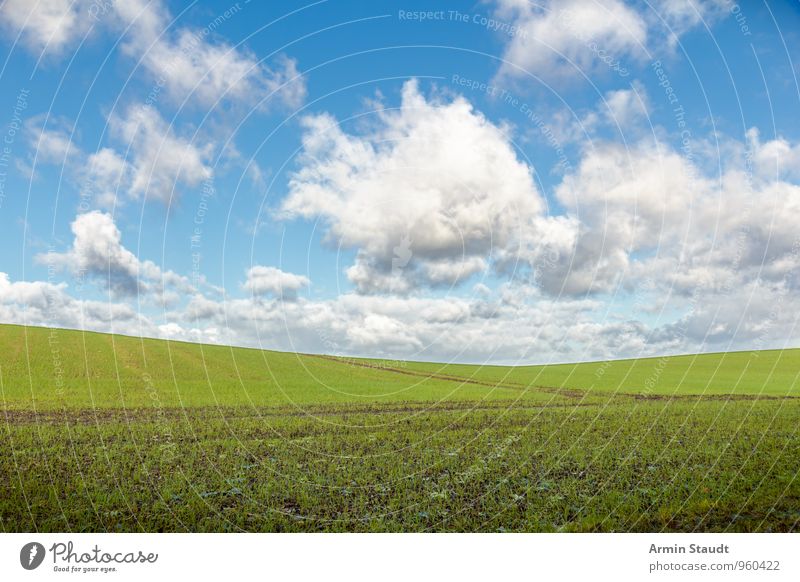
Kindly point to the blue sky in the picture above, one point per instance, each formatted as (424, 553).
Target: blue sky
(500, 181)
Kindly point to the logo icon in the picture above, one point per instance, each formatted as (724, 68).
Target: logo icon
(31, 555)
(402, 255)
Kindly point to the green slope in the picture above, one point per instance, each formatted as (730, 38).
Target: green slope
(766, 372)
(170, 436)
(62, 368)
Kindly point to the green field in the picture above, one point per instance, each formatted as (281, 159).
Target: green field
(113, 433)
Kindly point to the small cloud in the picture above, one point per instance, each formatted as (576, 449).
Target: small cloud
(271, 282)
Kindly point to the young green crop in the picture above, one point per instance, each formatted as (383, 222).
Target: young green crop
(53, 368)
(112, 433)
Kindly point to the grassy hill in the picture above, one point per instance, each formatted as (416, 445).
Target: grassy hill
(55, 368)
(766, 372)
(111, 433)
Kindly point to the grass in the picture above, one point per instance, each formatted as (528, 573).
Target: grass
(111, 433)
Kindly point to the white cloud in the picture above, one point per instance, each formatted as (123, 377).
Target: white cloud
(625, 108)
(561, 40)
(775, 159)
(428, 196)
(159, 159)
(270, 281)
(46, 25)
(50, 304)
(52, 142)
(34, 294)
(446, 272)
(647, 213)
(193, 64)
(396, 326)
(633, 193)
(477, 329)
(626, 112)
(556, 37)
(680, 16)
(383, 333)
(196, 68)
(97, 252)
(435, 329)
(159, 162)
(105, 176)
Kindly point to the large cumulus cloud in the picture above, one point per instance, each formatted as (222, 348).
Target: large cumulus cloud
(431, 194)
